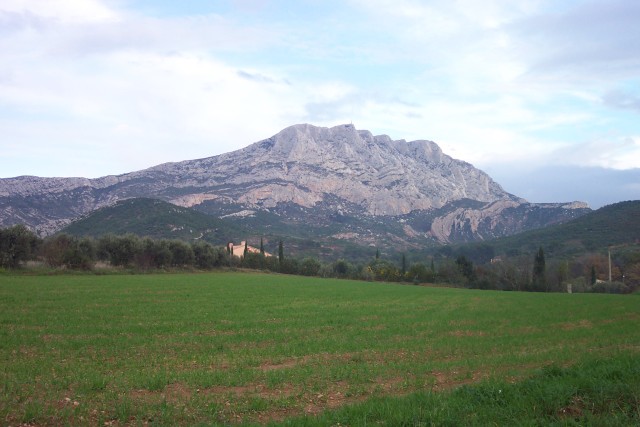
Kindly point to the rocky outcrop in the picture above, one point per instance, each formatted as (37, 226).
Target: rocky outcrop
(501, 218)
(341, 169)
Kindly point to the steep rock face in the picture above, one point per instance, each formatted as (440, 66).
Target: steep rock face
(303, 163)
(338, 170)
(501, 218)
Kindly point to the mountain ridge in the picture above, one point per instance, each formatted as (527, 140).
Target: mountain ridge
(316, 172)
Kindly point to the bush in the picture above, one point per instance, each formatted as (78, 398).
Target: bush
(385, 271)
(610, 288)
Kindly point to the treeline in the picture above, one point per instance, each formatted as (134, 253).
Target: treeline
(19, 245)
(588, 273)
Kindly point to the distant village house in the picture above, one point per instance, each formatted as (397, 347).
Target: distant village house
(239, 250)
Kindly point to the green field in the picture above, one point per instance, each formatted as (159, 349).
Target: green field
(239, 347)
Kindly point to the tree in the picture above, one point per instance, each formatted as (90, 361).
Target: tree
(67, 251)
(280, 252)
(466, 268)
(153, 254)
(119, 250)
(206, 256)
(419, 273)
(384, 270)
(404, 265)
(246, 249)
(261, 247)
(55, 248)
(310, 267)
(594, 277)
(342, 268)
(17, 245)
(181, 254)
(377, 253)
(539, 280)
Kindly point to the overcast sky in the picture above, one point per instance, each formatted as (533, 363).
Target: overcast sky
(544, 95)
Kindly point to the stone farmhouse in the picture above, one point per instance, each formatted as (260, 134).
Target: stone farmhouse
(238, 250)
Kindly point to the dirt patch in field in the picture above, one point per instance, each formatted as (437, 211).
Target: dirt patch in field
(526, 330)
(172, 393)
(212, 333)
(466, 322)
(337, 395)
(569, 326)
(449, 380)
(574, 410)
(375, 328)
(286, 364)
(467, 333)
(236, 391)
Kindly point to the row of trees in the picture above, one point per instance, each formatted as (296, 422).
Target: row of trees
(522, 273)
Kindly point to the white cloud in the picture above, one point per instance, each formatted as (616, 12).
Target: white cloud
(63, 11)
(104, 89)
(612, 153)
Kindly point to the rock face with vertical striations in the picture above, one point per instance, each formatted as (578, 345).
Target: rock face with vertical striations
(340, 179)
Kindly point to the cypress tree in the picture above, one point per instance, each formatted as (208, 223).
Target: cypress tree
(280, 252)
(539, 272)
(404, 265)
(246, 249)
(261, 247)
(377, 253)
(594, 277)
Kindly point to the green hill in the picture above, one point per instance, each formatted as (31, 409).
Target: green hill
(616, 224)
(156, 219)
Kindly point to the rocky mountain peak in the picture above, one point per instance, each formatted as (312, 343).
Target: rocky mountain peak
(337, 169)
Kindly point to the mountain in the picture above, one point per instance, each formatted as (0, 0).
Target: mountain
(156, 219)
(616, 225)
(335, 183)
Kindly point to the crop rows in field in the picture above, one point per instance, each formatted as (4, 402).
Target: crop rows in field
(231, 347)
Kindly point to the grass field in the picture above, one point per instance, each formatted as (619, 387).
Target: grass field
(192, 349)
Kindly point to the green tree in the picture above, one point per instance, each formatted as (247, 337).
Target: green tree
(466, 268)
(594, 276)
(280, 252)
(384, 270)
(67, 251)
(539, 279)
(404, 266)
(206, 256)
(310, 267)
(119, 250)
(181, 254)
(419, 273)
(342, 268)
(17, 245)
(261, 247)
(153, 254)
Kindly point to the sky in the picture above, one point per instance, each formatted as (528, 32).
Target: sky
(543, 95)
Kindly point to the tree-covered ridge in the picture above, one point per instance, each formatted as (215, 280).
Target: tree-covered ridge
(156, 219)
(612, 225)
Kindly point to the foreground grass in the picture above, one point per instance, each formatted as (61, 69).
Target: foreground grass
(595, 393)
(231, 347)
